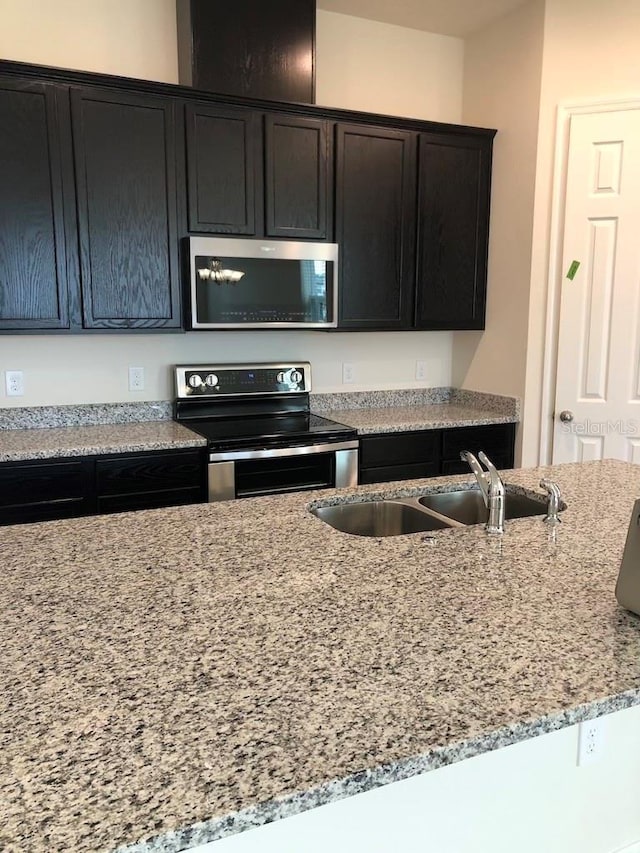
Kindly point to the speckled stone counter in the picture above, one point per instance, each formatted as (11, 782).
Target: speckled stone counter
(415, 409)
(22, 444)
(170, 677)
(407, 418)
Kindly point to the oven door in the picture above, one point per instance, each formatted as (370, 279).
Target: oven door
(250, 473)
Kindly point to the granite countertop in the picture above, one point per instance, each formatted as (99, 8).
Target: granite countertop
(369, 421)
(22, 444)
(182, 674)
(47, 432)
(416, 409)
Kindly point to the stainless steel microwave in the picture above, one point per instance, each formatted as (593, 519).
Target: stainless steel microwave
(262, 284)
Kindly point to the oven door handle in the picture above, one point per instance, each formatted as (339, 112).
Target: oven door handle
(279, 452)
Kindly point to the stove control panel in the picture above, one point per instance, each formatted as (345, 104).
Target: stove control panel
(226, 380)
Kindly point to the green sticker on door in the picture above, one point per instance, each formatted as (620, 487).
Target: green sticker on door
(573, 269)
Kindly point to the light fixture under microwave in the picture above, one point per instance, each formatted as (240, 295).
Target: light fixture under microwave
(277, 284)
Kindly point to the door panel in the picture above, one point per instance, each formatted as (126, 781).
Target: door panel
(375, 226)
(298, 159)
(33, 278)
(127, 209)
(453, 227)
(598, 372)
(224, 151)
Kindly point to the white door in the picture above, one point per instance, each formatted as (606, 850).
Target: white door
(597, 410)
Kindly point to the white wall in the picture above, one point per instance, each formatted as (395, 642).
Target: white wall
(502, 73)
(366, 65)
(591, 52)
(360, 64)
(134, 38)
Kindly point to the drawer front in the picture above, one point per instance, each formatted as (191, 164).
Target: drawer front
(39, 483)
(46, 510)
(149, 500)
(389, 473)
(150, 473)
(399, 448)
(495, 439)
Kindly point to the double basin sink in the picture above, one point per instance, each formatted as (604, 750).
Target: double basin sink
(397, 516)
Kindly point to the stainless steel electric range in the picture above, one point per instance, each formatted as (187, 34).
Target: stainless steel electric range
(262, 437)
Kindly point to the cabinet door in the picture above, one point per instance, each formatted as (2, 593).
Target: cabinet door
(453, 229)
(127, 201)
(496, 440)
(39, 491)
(224, 153)
(33, 277)
(150, 480)
(399, 456)
(298, 166)
(375, 226)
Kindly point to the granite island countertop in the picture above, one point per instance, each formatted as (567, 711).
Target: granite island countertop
(182, 674)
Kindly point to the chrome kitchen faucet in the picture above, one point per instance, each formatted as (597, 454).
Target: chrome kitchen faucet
(491, 487)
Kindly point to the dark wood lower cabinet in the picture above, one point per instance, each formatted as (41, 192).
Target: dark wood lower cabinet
(430, 453)
(147, 481)
(65, 488)
(39, 491)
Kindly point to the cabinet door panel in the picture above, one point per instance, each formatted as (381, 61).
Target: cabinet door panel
(126, 185)
(224, 148)
(150, 472)
(453, 227)
(38, 491)
(399, 448)
(375, 226)
(298, 162)
(389, 473)
(149, 500)
(497, 440)
(33, 282)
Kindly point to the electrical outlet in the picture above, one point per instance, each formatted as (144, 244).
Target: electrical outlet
(14, 383)
(421, 371)
(591, 736)
(136, 379)
(347, 372)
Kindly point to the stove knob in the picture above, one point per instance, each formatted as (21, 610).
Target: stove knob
(281, 377)
(211, 380)
(296, 377)
(195, 380)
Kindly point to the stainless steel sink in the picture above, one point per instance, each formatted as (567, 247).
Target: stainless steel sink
(394, 517)
(467, 506)
(378, 518)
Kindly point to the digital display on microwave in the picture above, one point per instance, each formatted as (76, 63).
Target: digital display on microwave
(234, 291)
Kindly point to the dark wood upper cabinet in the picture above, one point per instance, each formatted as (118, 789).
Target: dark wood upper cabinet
(375, 226)
(33, 255)
(250, 48)
(298, 171)
(125, 162)
(100, 177)
(224, 157)
(453, 228)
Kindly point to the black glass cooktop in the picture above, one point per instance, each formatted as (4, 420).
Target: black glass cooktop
(270, 431)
